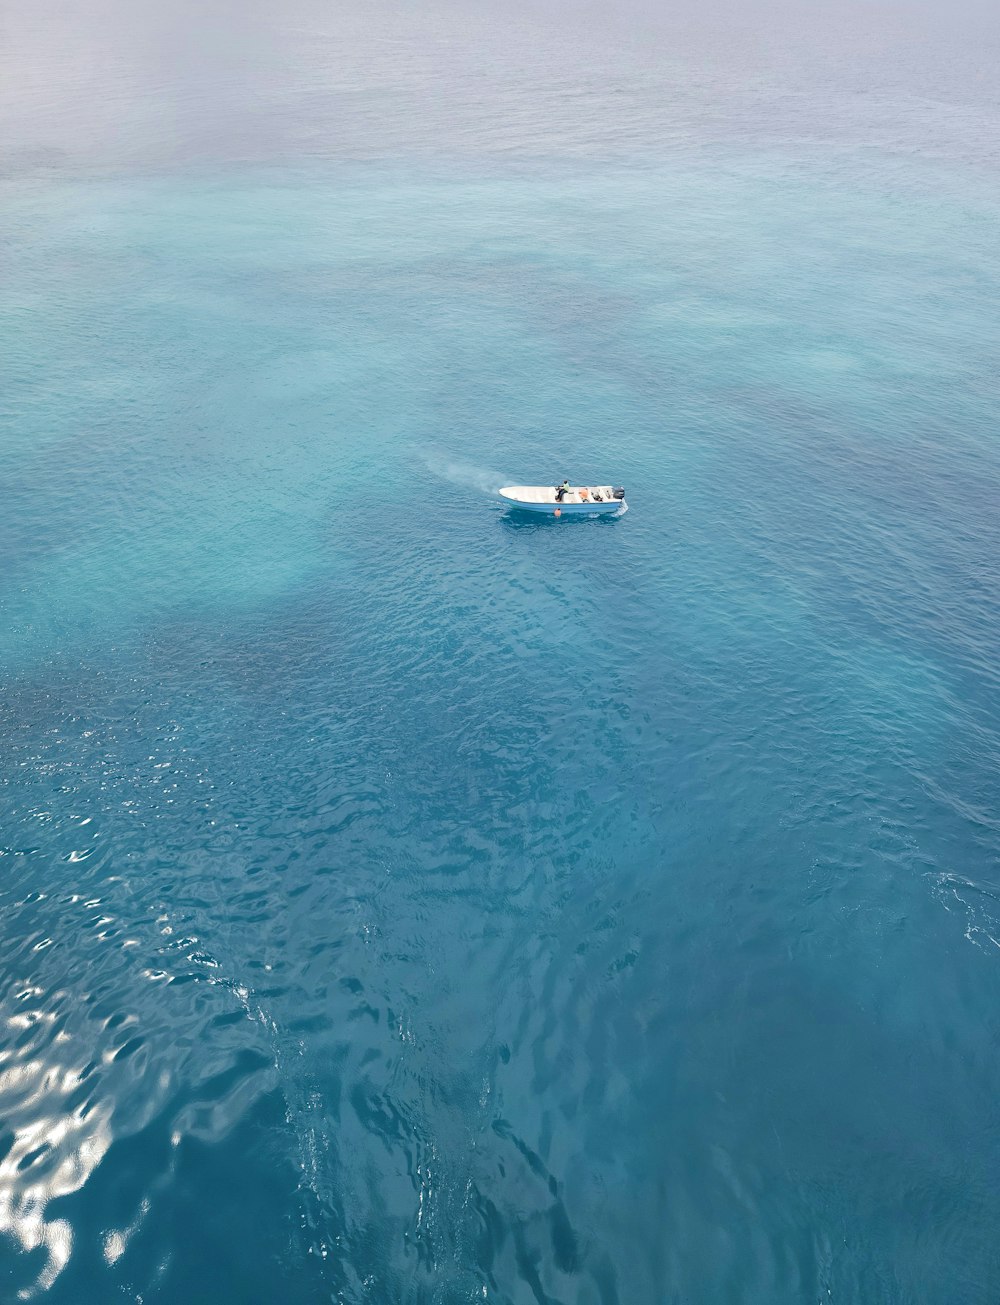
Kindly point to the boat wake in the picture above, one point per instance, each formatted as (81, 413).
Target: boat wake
(483, 479)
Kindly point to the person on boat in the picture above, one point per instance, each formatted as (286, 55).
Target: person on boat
(561, 491)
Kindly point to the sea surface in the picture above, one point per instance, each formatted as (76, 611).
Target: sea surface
(405, 902)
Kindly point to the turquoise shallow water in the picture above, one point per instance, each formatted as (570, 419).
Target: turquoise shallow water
(401, 901)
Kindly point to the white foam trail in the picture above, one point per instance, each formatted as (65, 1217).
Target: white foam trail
(466, 474)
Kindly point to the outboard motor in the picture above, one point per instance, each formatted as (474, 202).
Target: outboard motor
(618, 493)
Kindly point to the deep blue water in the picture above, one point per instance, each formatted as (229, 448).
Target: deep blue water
(402, 901)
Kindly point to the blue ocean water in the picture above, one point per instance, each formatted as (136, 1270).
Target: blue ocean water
(404, 901)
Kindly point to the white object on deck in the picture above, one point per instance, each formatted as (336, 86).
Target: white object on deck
(580, 499)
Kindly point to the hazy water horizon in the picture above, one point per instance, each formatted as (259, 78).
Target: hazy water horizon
(183, 84)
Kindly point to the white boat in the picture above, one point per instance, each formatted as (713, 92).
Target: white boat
(577, 501)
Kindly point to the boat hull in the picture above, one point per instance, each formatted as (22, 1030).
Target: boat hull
(565, 509)
(577, 502)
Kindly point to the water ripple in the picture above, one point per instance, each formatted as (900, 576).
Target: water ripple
(404, 901)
